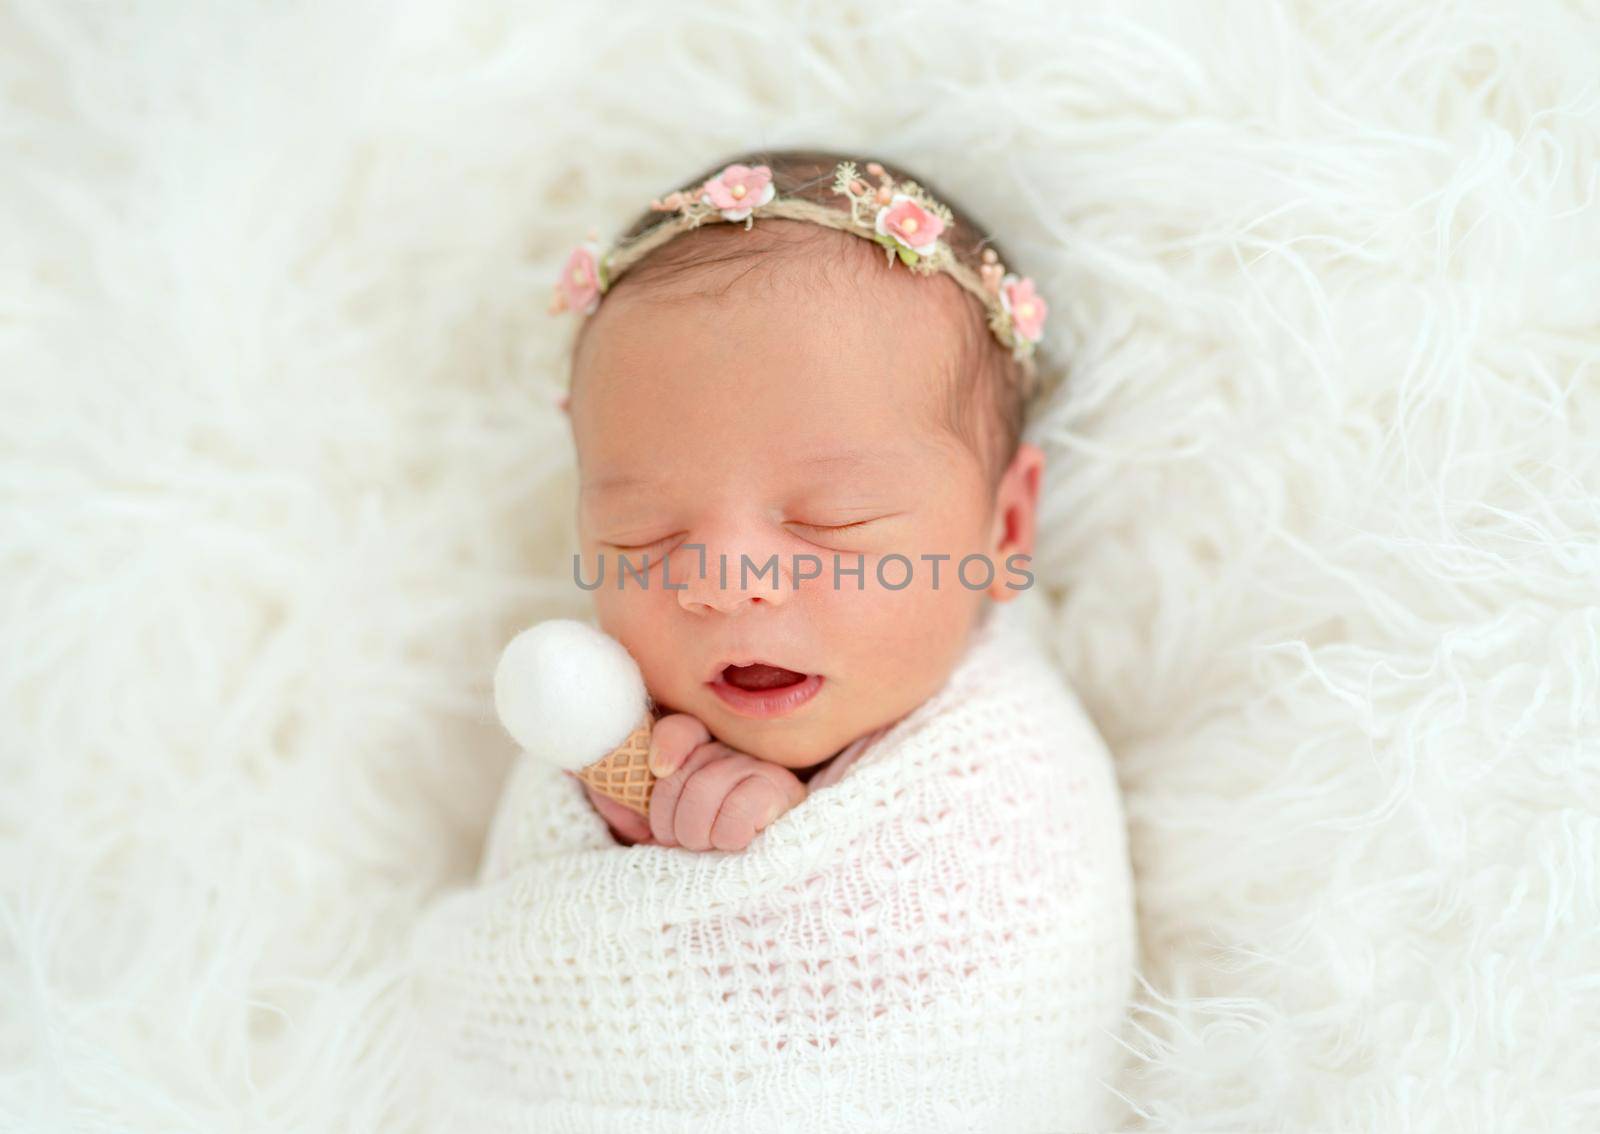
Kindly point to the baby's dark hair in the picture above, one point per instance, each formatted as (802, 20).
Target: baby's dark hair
(985, 398)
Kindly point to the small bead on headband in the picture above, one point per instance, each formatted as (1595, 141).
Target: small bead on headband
(900, 216)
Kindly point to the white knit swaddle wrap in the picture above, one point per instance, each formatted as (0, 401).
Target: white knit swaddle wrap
(942, 940)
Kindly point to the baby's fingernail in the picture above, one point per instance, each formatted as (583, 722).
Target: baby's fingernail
(658, 765)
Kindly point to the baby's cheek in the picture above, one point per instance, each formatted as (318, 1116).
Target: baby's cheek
(639, 620)
(898, 641)
(899, 598)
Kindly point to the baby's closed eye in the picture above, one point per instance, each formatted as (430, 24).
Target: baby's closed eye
(835, 526)
(635, 544)
(823, 526)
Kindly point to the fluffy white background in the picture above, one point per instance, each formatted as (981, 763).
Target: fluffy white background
(282, 473)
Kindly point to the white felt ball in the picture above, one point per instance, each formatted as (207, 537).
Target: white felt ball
(568, 693)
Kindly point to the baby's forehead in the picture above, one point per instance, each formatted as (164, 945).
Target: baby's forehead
(826, 285)
(802, 335)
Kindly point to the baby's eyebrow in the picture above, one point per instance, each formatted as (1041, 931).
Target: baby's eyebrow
(618, 480)
(843, 458)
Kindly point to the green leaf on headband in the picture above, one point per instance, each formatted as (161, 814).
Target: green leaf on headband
(908, 257)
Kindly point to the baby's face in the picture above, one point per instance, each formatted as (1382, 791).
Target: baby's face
(792, 418)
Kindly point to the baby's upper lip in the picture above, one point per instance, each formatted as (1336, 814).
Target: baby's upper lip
(748, 659)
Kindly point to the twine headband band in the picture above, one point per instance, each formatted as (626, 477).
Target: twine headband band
(900, 216)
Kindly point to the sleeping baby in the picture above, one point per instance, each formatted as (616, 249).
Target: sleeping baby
(882, 883)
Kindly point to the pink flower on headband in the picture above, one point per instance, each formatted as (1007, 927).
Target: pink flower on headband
(578, 288)
(1025, 306)
(909, 224)
(738, 189)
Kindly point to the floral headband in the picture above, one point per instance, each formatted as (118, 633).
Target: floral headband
(901, 217)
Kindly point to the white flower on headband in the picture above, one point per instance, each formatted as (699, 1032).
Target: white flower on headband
(908, 223)
(1025, 306)
(738, 189)
(581, 281)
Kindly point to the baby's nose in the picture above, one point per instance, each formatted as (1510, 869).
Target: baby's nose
(731, 583)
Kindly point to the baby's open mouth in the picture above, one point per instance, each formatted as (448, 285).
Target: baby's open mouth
(762, 690)
(760, 676)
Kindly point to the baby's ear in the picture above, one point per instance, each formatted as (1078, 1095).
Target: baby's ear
(1016, 511)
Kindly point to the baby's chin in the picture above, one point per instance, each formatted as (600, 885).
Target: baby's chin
(795, 749)
(796, 742)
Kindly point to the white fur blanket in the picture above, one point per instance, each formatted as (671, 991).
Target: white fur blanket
(281, 473)
(942, 940)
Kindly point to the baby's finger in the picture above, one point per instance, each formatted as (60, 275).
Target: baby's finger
(706, 794)
(664, 795)
(672, 738)
(748, 809)
(627, 825)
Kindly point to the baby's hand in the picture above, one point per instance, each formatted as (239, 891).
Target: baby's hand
(628, 827)
(709, 796)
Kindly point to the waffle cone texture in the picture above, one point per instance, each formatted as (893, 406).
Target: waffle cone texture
(625, 774)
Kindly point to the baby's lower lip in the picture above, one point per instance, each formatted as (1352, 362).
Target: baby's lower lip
(767, 702)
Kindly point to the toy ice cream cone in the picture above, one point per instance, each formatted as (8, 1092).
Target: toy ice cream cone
(572, 696)
(625, 774)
